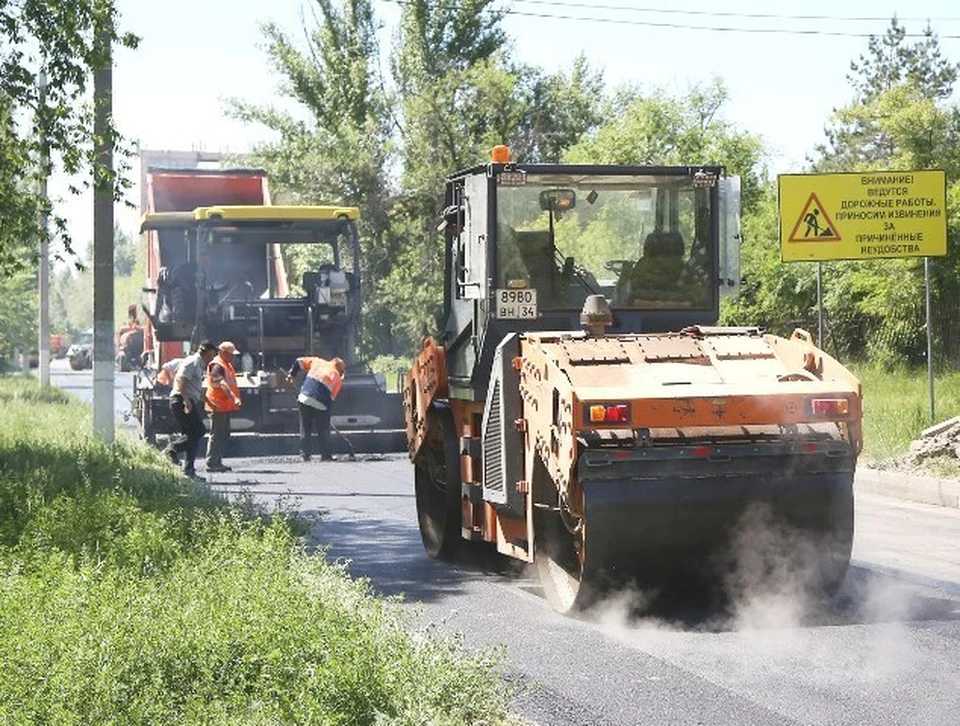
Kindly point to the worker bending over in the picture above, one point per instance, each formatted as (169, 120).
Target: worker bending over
(319, 390)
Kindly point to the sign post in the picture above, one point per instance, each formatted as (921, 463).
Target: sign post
(820, 340)
(926, 284)
(865, 216)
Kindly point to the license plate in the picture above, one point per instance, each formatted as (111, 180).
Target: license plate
(516, 304)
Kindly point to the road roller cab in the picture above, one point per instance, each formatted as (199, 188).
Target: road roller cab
(581, 410)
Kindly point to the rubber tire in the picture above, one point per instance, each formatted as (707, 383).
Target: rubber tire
(565, 585)
(437, 485)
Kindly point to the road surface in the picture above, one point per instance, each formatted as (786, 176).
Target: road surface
(885, 651)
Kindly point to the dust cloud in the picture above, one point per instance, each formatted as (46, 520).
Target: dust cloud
(770, 635)
(768, 582)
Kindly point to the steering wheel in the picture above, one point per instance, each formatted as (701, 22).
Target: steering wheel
(617, 266)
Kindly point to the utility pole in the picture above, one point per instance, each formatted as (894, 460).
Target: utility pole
(103, 344)
(43, 282)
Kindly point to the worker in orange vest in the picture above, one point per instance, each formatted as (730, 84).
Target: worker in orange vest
(319, 390)
(223, 398)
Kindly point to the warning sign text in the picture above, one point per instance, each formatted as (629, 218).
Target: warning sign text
(862, 216)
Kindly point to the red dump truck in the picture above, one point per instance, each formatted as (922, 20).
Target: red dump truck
(216, 271)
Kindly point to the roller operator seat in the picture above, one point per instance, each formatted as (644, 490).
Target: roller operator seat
(660, 267)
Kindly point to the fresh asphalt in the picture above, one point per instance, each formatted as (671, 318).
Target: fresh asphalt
(886, 650)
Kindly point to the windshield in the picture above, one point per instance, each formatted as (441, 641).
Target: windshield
(642, 241)
(308, 263)
(238, 261)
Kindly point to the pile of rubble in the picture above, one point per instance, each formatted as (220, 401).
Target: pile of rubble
(940, 440)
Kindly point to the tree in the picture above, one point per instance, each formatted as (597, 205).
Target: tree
(124, 252)
(560, 109)
(344, 139)
(50, 123)
(18, 312)
(457, 98)
(340, 148)
(859, 135)
(71, 289)
(890, 60)
(435, 67)
(460, 95)
(658, 128)
(455, 94)
(899, 118)
(440, 37)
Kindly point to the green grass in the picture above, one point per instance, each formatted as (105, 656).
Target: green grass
(896, 408)
(129, 595)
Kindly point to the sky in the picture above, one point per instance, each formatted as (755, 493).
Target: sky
(170, 93)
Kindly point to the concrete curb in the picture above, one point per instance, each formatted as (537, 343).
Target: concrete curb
(913, 488)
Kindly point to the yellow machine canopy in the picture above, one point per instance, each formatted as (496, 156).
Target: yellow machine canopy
(234, 242)
(259, 223)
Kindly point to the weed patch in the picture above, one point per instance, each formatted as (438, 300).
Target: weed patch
(896, 407)
(129, 595)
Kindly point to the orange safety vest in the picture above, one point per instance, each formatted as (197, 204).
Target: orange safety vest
(323, 371)
(218, 401)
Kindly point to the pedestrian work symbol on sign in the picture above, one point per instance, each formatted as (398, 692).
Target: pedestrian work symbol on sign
(814, 225)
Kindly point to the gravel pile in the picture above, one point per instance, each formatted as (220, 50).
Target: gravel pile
(941, 440)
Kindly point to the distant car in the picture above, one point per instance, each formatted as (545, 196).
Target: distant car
(59, 344)
(80, 354)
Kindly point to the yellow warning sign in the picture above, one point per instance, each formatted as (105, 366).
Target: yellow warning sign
(816, 224)
(869, 215)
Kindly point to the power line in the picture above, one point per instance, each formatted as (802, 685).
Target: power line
(711, 28)
(723, 14)
(684, 26)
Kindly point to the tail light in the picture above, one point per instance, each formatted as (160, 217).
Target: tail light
(830, 407)
(608, 413)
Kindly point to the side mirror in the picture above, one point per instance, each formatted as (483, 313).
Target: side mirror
(452, 220)
(558, 200)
